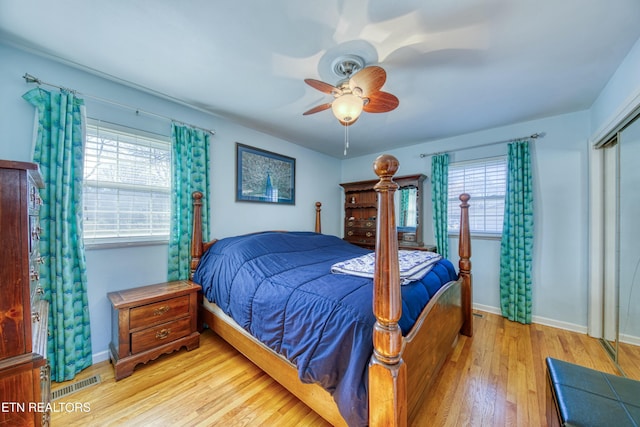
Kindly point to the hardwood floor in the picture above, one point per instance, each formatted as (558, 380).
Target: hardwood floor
(496, 378)
(629, 360)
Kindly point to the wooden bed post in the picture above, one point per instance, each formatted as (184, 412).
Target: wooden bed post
(318, 222)
(464, 266)
(197, 247)
(387, 371)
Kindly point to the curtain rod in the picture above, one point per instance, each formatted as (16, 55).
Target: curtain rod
(532, 136)
(31, 79)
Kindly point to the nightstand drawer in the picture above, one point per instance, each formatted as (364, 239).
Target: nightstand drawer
(160, 334)
(159, 312)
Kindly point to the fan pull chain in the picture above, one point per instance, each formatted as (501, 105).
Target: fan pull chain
(346, 139)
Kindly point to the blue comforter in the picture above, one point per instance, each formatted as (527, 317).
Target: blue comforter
(278, 286)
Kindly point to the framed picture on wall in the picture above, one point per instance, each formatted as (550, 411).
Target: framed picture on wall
(265, 177)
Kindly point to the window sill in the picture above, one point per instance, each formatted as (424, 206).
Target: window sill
(90, 246)
(480, 236)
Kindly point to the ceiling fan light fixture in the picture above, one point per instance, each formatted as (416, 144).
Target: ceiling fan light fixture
(346, 65)
(357, 91)
(347, 108)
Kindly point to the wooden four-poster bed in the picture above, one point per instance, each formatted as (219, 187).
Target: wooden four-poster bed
(404, 360)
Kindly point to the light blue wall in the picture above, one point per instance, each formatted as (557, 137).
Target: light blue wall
(619, 97)
(317, 176)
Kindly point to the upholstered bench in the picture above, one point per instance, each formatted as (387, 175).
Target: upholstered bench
(578, 396)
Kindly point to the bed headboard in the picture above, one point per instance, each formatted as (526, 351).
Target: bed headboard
(198, 246)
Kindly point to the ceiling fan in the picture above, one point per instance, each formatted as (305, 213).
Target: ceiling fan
(357, 91)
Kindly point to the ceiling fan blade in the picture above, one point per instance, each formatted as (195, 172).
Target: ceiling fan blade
(369, 80)
(322, 86)
(381, 102)
(317, 109)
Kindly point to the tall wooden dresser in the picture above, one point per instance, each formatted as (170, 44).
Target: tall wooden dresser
(361, 210)
(24, 371)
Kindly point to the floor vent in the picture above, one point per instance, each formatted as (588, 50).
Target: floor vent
(76, 386)
(478, 315)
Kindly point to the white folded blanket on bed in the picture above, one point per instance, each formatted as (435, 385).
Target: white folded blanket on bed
(414, 265)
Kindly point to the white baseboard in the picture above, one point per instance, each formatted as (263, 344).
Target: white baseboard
(100, 357)
(560, 325)
(629, 339)
(487, 309)
(537, 319)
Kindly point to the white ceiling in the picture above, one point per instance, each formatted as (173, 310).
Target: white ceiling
(456, 66)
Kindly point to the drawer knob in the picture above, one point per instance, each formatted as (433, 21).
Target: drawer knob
(44, 373)
(350, 233)
(161, 310)
(369, 234)
(163, 333)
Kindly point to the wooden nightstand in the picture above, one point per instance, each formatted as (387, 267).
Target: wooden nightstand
(149, 321)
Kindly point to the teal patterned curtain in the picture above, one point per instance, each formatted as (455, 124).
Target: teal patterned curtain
(439, 199)
(189, 173)
(517, 236)
(59, 152)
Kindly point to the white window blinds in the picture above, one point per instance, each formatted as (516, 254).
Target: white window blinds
(127, 183)
(486, 181)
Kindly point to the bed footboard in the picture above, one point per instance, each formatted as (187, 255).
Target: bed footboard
(392, 394)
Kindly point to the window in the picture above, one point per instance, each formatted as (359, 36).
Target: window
(127, 183)
(486, 181)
